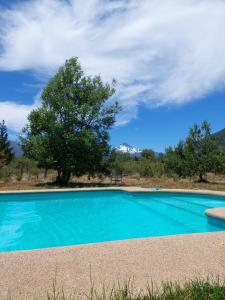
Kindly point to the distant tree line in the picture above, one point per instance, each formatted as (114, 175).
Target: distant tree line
(148, 164)
(9, 164)
(199, 154)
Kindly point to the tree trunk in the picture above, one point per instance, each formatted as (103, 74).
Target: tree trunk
(46, 173)
(201, 179)
(63, 177)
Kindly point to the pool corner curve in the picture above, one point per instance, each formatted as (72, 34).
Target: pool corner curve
(218, 213)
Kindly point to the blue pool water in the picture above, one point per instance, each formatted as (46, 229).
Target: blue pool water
(39, 220)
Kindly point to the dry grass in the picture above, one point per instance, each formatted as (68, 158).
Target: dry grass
(216, 183)
(197, 289)
(170, 183)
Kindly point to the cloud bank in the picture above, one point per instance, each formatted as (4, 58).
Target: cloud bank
(15, 114)
(162, 52)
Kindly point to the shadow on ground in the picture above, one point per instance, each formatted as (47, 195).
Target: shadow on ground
(75, 185)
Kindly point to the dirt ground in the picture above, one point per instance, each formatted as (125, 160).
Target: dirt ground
(216, 183)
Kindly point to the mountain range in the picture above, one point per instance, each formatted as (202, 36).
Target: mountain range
(17, 149)
(124, 147)
(220, 135)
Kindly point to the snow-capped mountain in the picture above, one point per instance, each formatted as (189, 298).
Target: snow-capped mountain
(125, 148)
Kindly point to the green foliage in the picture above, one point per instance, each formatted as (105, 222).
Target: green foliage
(175, 160)
(197, 289)
(158, 168)
(147, 165)
(197, 155)
(220, 161)
(148, 168)
(144, 169)
(2, 159)
(6, 153)
(70, 131)
(18, 168)
(201, 149)
(5, 172)
(148, 154)
(24, 165)
(119, 162)
(37, 148)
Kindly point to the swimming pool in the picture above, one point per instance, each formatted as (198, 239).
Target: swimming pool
(40, 220)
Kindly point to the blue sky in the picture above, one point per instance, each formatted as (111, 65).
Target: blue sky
(161, 127)
(168, 57)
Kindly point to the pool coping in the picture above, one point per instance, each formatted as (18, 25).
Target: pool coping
(218, 213)
(123, 188)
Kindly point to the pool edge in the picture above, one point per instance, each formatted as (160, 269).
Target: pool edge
(217, 213)
(119, 188)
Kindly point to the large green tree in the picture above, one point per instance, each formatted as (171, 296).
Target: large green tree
(201, 150)
(70, 131)
(6, 152)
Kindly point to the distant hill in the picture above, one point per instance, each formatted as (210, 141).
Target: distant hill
(17, 149)
(220, 135)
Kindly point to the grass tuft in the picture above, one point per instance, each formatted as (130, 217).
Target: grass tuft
(198, 289)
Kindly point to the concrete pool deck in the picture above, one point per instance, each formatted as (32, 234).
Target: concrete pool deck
(169, 258)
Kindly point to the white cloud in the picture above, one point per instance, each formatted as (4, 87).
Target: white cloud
(161, 52)
(15, 114)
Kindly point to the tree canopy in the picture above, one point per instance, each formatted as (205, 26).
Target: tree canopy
(6, 152)
(70, 131)
(148, 154)
(197, 155)
(201, 149)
